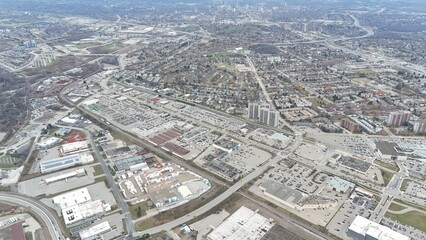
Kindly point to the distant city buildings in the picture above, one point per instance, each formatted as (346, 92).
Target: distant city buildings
(398, 118)
(263, 113)
(349, 125)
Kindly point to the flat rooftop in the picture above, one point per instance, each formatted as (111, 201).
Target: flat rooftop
(243, 224)
(282, 192)
(388, 148)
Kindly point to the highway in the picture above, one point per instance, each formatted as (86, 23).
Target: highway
(37, 208)
(117, 194)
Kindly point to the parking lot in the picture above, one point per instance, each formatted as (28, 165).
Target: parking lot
(36, 187)
(357, 204)
(404, 229)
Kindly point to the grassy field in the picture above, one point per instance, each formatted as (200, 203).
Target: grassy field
(134, 210)
(411, 204)
(316, 102)
(7, 161)
(396, 207)
(360, 80)
(364, 71)
(404, 184)
(412, 218)
(387, 176)
(386, 165)
(112, 47)
(85, 45)
(143, 225)
(98, 170)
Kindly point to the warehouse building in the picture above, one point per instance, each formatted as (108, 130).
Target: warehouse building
(243, 224)
(64, 162)
(59, 163)
(363, 229)
(95, 231)
(74, 147)
(78, 207)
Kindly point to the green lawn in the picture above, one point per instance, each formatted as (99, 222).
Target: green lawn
(404, 184)
(396, 207)
(412, 218)
(410, 204)
(98, 170)
(134, 210)
(143, 225)
(85, 45)
(7, 161)
(316, 102)
(112, 47)
(364, 71)
(387, 176)
(387, 165)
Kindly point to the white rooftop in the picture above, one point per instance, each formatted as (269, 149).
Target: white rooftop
(243, 224)
(365, 227)
(95, 230)
(70, 199)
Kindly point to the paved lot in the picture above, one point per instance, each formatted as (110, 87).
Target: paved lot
(35, 186)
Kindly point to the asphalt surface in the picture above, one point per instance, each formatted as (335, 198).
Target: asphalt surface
(37, 208)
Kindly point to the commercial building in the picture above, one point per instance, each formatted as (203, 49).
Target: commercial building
(340, 185)
(60, 163)
(243, 224)
(388, 151)
(349, 125)
(420, 126)
(95, 231)
(398, 118)
(364, 229)
(282, 194)
(74, 147)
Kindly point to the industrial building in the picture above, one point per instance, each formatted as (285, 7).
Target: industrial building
(95, 231)
(48, 143)
(398, 118)
(77, 173)
(243, 224)
(363, 229)
(340, 185)
(126, 163)
(78, 207)
(74, 147)
(59, 163)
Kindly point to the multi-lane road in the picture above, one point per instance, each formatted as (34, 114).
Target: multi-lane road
(37, 208)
